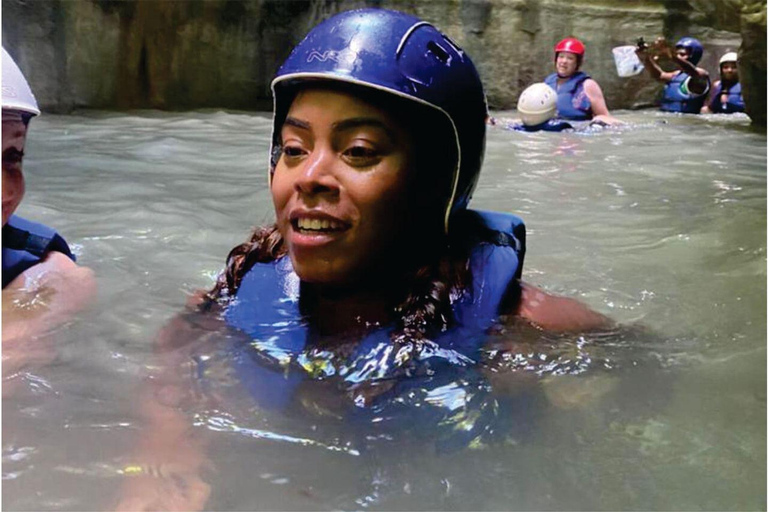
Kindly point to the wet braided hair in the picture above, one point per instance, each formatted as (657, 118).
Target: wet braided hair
(263, 246)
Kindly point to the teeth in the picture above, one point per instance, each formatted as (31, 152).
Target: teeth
(317, 224)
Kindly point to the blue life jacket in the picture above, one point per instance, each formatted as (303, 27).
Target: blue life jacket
(276, 358)
(551, 125)
(572, 102)
(25, 244)
(734, 104)
(676, 100)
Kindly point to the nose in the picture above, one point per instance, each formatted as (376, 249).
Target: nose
(317, 176)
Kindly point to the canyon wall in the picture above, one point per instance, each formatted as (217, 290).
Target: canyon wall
(119, 54)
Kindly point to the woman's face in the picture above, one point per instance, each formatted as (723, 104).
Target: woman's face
(340, 187)
(566, 63)
(14, 138)
(729, 71)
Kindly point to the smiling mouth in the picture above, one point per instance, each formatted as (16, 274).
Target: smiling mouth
(310, 226)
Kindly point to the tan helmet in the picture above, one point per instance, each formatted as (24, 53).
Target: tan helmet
(537, 104)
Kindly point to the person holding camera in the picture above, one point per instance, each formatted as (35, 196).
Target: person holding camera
(685, 88)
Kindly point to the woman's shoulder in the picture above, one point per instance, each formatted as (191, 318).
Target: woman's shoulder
(590, 85)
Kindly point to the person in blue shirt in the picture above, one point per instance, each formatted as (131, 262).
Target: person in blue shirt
(37, 262)
(686, 88)
(725, 97)
(376, 277)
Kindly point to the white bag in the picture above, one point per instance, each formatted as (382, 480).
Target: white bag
(627, 63)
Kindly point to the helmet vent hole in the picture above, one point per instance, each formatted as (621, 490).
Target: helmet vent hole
(438, 52)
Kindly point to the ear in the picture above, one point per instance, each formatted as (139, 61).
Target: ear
(13, 192)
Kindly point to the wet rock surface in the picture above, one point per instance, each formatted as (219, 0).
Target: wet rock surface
(223, 53)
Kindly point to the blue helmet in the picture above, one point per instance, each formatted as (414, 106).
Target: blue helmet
(395, 53)
(694, 47)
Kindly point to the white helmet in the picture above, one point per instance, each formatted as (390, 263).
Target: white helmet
(729, 57)
(537, 104)
(16, 92)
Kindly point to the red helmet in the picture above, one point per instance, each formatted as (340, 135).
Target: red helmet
(570, 44)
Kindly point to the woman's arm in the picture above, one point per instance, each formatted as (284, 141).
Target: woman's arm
(165, 470)
(555, 315)
(43, 297)
(698, 83)
(649, 62)
(558, 314)
(648, 56)
(164, 473)
(596, 98)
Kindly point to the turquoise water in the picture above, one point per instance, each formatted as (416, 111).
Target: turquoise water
(660, 225)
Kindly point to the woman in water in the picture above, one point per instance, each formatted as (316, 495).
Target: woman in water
(579, 97)
(725, 96)
(375, 272)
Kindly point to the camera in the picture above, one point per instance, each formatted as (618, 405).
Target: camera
(641, 44)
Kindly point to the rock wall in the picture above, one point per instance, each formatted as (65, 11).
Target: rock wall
(223, 53)
(752, 61)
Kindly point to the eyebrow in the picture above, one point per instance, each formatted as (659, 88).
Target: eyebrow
(347, 124)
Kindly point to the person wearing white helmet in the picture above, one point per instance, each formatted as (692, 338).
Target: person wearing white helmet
(36, 259)
(725, 97)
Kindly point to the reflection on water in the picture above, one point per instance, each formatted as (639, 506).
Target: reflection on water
(660, 225)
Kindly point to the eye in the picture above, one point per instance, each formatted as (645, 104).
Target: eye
(361, 156)
(360, 152)
(292, 151)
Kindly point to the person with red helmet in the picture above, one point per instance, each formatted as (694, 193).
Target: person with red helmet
(686, 88)
(579, 97)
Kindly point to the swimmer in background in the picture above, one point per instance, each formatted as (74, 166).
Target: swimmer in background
(42, 284)
(537, 107)
(725, 97)
(374, 257)
(686, 88)
(579, 97)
